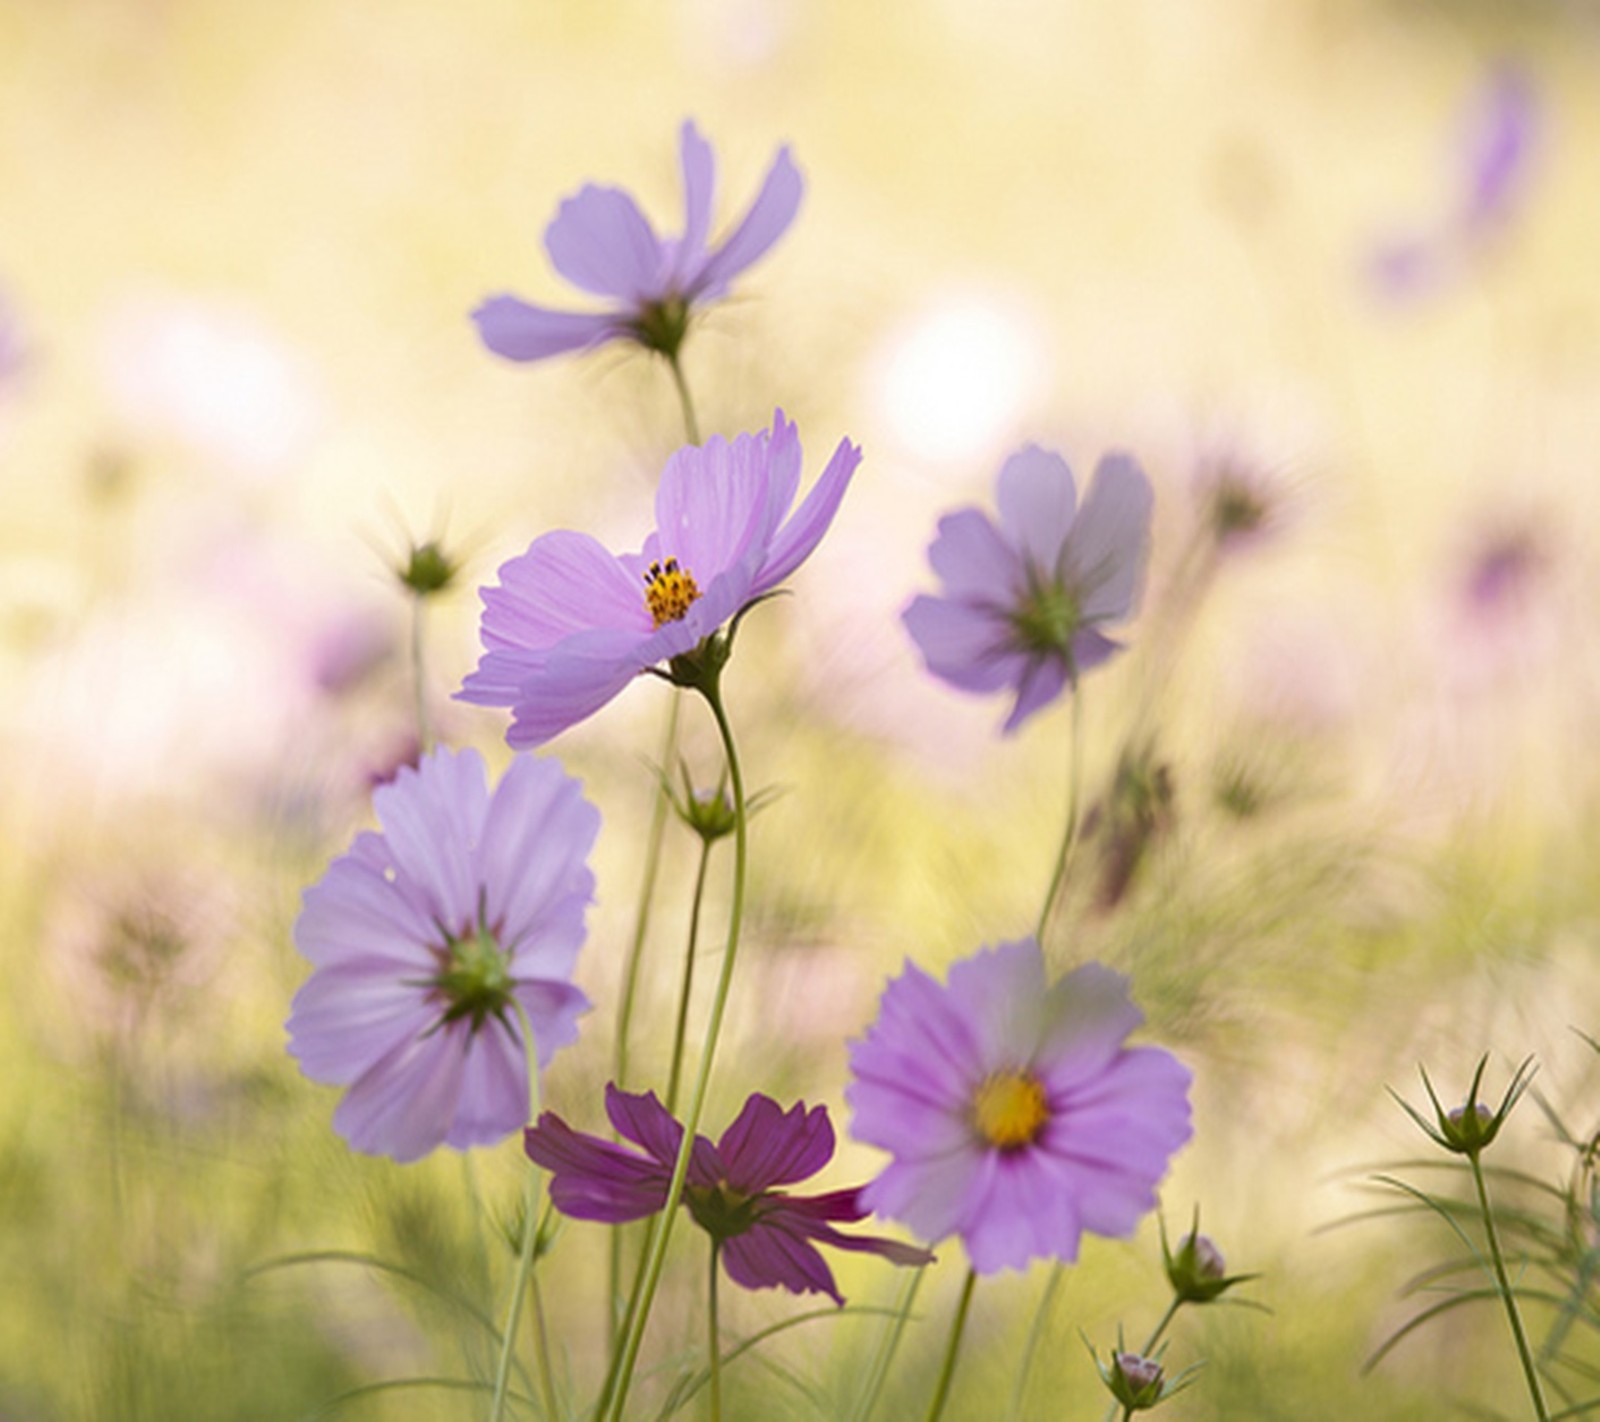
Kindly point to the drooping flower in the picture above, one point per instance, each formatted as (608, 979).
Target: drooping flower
(571, 624)
(433, 940)
(602, 244)
(766, 1238)
(1023, 603)
(1016, 1115)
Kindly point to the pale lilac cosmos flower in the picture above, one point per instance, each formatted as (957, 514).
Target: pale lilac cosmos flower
(1499, 132)
(1016, 1116)
(571, 624)
(602, 244)
(1023, 602)
(766, 1238)
(431, 939)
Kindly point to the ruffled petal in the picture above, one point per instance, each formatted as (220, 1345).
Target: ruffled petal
(432, 815)
(565, 583)
(603, 244)
(930, 1197)
(713, 507)
(797, 538)
(1002, 995)
(641, 1118)
(768, 219)
(1089, 1015)
(531, 861)
(1037, 498)
(767, 1257)
(974, 563)
(577, 679)
(968, 647)
(553, 1010)
(1043, 680)
(766, 1146)
(402, 1106)
(494, 1087)
(1104, 556)
(1016, 1213)
(592, 1179)
(512, 328)
(699, 192)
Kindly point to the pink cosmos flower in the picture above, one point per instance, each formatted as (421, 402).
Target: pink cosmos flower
(571, 624)
(1016, 1116)
(432, 941)
(1023, 603)
(602, 244)
(767, 1239)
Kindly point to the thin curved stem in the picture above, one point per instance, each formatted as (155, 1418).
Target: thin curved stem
(893, 1332)
(1069, 835)
(530, 1234)
(947, 1370)
(419, 674)
(680, 1031)
(715, 1338)
(1529, 1370)
(1041, 1316)
(661, 1232)
(691, 426)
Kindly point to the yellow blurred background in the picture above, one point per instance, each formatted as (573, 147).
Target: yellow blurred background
(238, 379)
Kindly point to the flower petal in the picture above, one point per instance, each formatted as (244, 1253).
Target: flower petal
(592, 1179)
(357, 912)
(349, 1016)
(512, 328)
(975, 564)
(699, 192)
(798, 537)
(713, 507)
(766, 1256)
(494, 1087)
(553, 1010)
(565, 583)
(1089, 1015)
(1016, 1213)
(641, 1118)
(966, 646)
(1104, 556)
(767, 1146)
(577, 679)
(432, 815)
(603, 244)
(531, 862)
(1037, 499)
(768, 219)
(1001, 992)
(403, 1104)
(1043, 680)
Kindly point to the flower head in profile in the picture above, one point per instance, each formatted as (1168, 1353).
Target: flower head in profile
(1024, 601)
(602, 244)
(766, 1238)
(570, 624)
(1016, 1116)
(433, 940)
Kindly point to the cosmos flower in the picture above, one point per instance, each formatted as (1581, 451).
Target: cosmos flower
(1016, 1115)
(432, 940)
(1499, 135)
(571, 624)
(602, 244)
(766, 1238)
(1023, 603)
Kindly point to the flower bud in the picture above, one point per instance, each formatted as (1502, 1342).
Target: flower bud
(1196, 1269)
(428, 569)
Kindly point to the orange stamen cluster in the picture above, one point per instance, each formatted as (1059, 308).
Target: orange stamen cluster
(668, 591)
(1010, 1109)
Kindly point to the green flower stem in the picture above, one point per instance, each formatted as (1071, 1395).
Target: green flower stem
(941, 1391)
(714, 1340)
(1041, 1316)
(661, 1232)
(1529, 1371)
(1149, 1344)
(1069, 836)
(419, 674)
(530, 1234)
(630, 980)
(892, 1333)
(681, 1030)
(691, 426)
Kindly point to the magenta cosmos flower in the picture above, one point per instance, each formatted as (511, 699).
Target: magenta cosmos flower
(602, 244)
(1023, 602)
(767, 1239)
(431, 940)
(1016, 1116)
(571, 624)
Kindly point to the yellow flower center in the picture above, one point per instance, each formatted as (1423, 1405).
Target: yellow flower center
(668, 591)
(1010, 1109)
